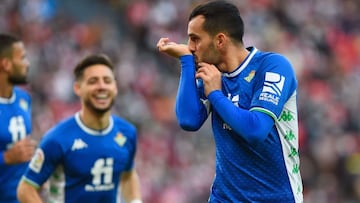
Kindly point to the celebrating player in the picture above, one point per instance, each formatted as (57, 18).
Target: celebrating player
(251, 95)
(86, 156)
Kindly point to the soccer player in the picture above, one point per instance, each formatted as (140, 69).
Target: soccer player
(16, 148)
(86, 157)
(251, 95)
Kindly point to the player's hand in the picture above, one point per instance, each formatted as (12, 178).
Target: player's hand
(173, 49)
(210, 75)
(21, 151)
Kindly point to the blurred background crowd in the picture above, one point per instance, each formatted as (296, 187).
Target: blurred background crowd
(320, 37)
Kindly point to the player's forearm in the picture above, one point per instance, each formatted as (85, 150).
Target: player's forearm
(27, 193)
(130, 187)
(189, 109)
(252, 126)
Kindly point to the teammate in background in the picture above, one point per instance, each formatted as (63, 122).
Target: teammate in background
(252, 97)
(86, 157)
(16, 148)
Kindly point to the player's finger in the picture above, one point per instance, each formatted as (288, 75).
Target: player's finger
(162, 42)
(201, 64)
(201, 74)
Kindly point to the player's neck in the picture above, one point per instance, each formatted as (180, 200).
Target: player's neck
(234, 57)
(95, 121)
(6, 89)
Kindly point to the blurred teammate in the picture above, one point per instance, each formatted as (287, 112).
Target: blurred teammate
(16, 149)
(87, 155)
(252, 97)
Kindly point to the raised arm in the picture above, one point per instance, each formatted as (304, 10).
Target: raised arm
(191, 111)
(191, 108)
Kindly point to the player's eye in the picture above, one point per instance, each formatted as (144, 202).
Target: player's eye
(108, 80)
(92, 81)
(194, 39)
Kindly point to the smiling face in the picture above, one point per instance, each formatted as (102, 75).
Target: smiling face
(96, 89)
(201, 43)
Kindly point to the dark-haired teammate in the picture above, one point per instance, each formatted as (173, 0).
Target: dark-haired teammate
(88, 155)
(252, 98)
(16, 148)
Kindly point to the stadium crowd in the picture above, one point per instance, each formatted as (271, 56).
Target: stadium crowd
(320, 37)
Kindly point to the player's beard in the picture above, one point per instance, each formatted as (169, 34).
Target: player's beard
(98, 111)
(210, 55)
(18, 79)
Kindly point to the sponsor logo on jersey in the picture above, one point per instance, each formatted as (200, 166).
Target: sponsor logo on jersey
(226, 127)
(78, 144)
(120, 139)
(102, 173)
(272, 89)
(234, 99)
(37, 161)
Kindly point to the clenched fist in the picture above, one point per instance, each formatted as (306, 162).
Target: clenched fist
(21, 151)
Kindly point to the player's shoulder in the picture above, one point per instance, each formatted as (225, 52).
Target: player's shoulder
(20, 92)
(272, 58)
(123, 124)
(274, 62)
(63, 127)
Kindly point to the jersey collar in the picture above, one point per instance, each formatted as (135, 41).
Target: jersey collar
(10, 100)
(92, 131)
(243, 65)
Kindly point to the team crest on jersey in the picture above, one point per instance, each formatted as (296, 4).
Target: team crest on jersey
(120, 139)
(23, 104)
(250, 76)
(272, 89)
(37, 161)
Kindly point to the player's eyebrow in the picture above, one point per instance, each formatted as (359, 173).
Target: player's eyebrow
(192, 35)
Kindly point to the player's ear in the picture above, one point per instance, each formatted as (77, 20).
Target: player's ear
(76, 88)
(4, 64)
(220, 40)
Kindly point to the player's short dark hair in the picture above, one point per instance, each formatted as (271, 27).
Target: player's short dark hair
(89, 61)
(6, 43)
(220, 16)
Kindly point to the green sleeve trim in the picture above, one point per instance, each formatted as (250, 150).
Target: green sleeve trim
(30, 182)
(271, 114)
